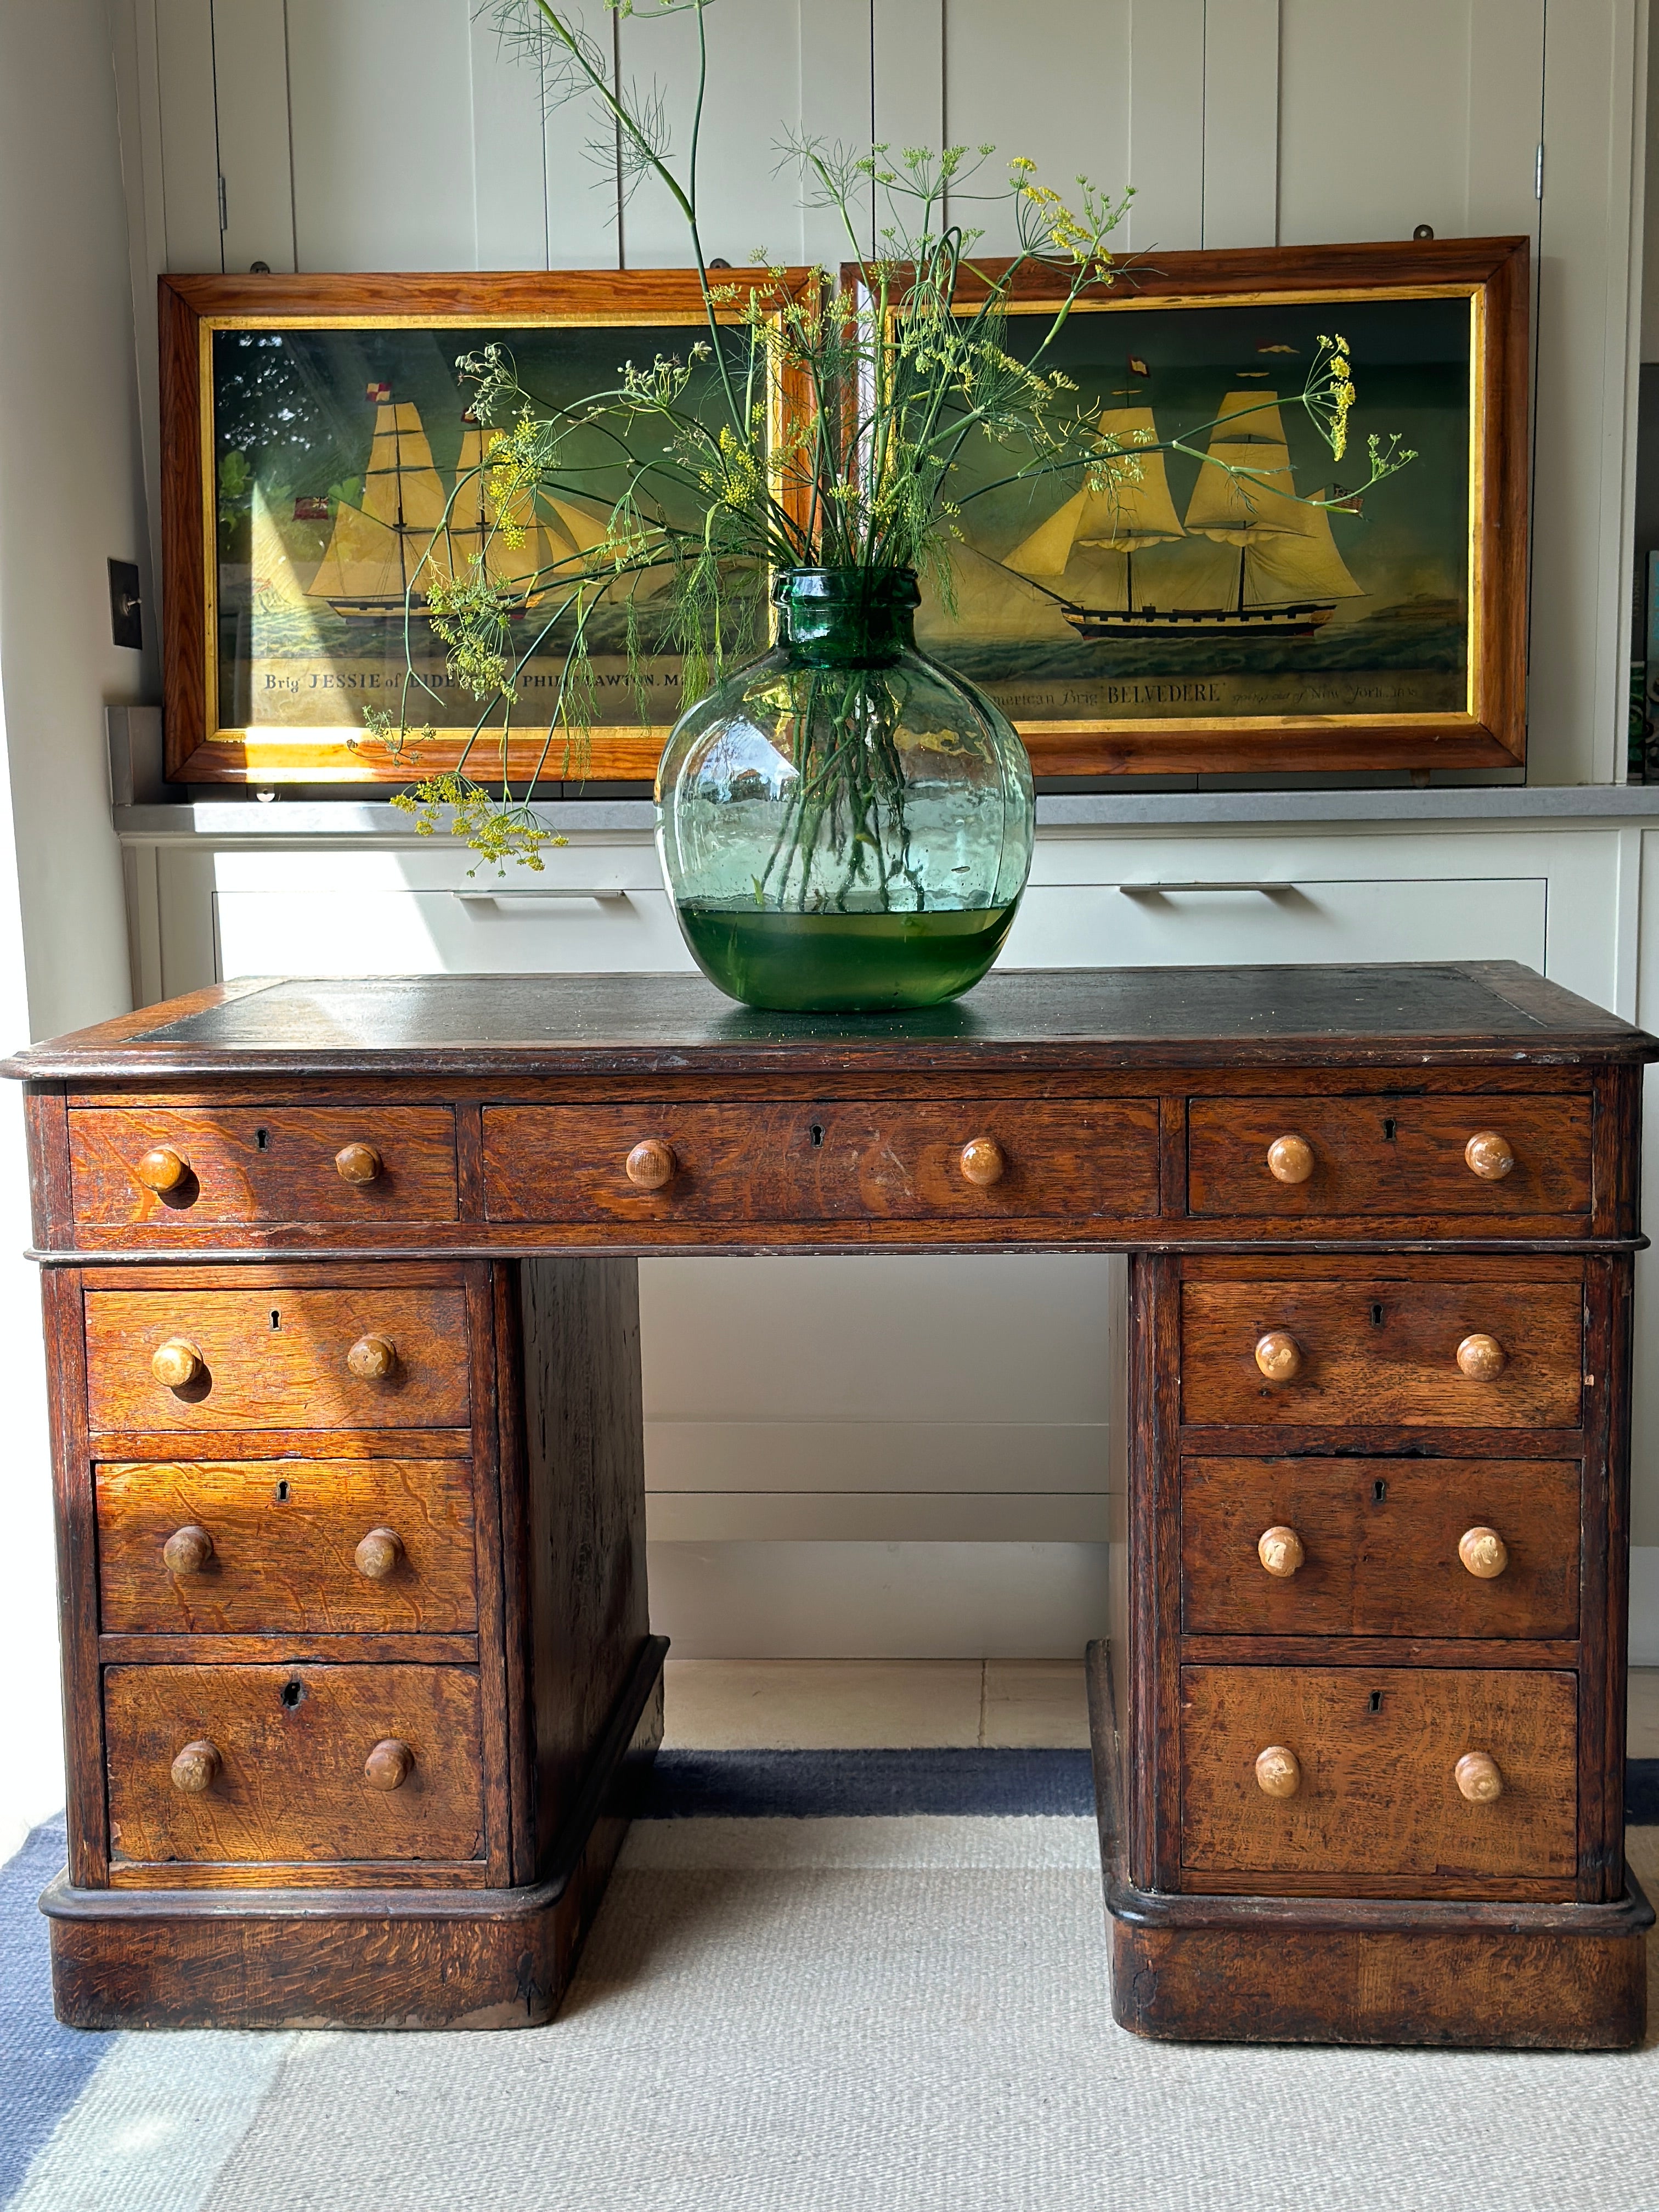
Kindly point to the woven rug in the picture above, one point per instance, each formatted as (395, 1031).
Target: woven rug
(800, 2004)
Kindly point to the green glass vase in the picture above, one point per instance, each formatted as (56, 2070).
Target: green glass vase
(845, 826)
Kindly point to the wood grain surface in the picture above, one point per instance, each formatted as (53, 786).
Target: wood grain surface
(1077, 1160)
(1380, 1539)
(1381, 1349)
(292, 1740)
(1377, 1746)
(261, 1163)
(1388, 1155)
(289, 1372)
(284, 1535)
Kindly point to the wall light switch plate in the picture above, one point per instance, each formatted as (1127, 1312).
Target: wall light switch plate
(126, 614)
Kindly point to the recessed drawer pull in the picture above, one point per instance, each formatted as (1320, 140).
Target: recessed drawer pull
(372, 1358)
(542, 896)
(650, 1164)
(389, 1765)
(176, 1362)
(1289, 1159)
(982, 1161)
(1279, 1550)
(359, 1163)
(187, 1551)
(1489, 1155)
(162, 1170)
(196, 1767)
(1278, 1771)
(1478, 1778)
(1481, 1357)
(1278, 1356)
(1484, 1553)
(377, 1555)
(1155, 890)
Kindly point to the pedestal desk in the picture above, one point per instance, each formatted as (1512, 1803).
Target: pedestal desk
(341, 1323)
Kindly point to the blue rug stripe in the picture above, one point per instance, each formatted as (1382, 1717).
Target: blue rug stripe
(45, 2067)
(821, 1785)
(1641, 1792)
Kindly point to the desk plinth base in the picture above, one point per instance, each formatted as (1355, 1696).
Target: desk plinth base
(356, 1958)
(1197, 1969)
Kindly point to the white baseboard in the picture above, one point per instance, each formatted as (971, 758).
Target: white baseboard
(1644, 1605)
(896, 1601)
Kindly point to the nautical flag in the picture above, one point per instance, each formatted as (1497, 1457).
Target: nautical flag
(380, 393)
(310, 507)
(1137, 367)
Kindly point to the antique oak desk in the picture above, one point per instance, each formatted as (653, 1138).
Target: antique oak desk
(340, 1310)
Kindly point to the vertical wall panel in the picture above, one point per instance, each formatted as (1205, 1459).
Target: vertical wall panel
(1166, 123)
(1506, 117)
(1068, 119)
(1374, 105)
(579, 165)
(836, 96)
(190, 146)
(1588, 320)
(745, 202)
(380, 93)
(906, 69)
(509, 176)
(250, 73)
(1240, 123)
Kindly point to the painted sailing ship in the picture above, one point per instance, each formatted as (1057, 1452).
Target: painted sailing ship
(1285, 581)
(399, 537)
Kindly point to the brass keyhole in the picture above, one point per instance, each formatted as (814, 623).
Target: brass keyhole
(1387, 1131)
(816, 1132)
(1379, 1491)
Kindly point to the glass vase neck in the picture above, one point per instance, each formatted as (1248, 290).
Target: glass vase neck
(847, 618)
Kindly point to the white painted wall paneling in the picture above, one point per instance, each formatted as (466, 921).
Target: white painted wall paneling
(380, 96)
(1166, 125)
(250, 75)
(188, 131)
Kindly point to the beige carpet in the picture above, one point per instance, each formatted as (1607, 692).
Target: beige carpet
(848, 2016)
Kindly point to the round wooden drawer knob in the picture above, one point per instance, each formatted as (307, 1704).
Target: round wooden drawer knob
(176, 1362)
(982, 1161)
(372, 1358)
(1279, 1550)
(650, 1164)
(358, 1164)
(196, 1767)
(187, 1550)
(1278, 1771)
(1490, 1155)
(1484, 1553)
(1482, 1358)
(389, 1765)
(162, 1168)
(377, 1555)
(1289, 1159)
(1478, 1778)
(1278, 1356)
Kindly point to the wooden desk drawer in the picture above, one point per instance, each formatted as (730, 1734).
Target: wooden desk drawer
(254, 1164)
(286, 1780)
(1382, 1350)
(276, 1358)
(1396, 1157)
(291, 1547)
(1379, 1540)
(789, 1162)
(1377, 1795)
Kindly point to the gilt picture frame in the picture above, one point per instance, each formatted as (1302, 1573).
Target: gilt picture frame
(312, 430)
(1195, 623)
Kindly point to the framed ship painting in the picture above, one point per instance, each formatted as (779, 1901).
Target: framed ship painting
(1234, 606)
(319, 456)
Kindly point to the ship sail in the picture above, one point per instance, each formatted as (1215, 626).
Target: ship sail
(1123, 517)
(376, 549)
(1286, 551)
(473, 534)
